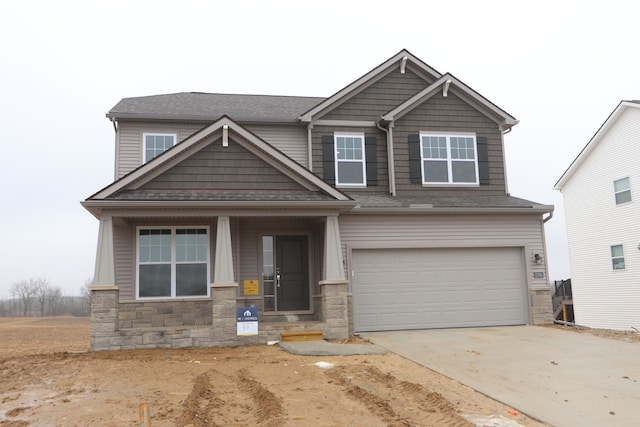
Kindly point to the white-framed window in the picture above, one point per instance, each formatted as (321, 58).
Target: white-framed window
(156, 144)
(449, 159)
(350, 160)
(622, 190)
(172, 262)
(617, 257)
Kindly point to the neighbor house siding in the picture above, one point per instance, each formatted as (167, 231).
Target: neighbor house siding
(291, 140)
(223, 168)
(449, 231)
(129, 144)
(379, 98)
(604, 298)
(447, 114)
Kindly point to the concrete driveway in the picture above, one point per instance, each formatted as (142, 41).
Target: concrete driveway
(560, 377)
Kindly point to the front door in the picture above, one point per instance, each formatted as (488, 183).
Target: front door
(291, 273)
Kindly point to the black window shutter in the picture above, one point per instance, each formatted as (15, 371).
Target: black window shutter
(371, 155)
(483, 159)
(415, 169)
(328, 159)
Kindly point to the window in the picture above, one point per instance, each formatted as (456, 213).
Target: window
(622, 190)
(350, 160)
(173, 262)
(449, 159)
(157, 143)
(617, 257)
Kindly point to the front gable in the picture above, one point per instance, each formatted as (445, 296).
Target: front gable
(223, 162)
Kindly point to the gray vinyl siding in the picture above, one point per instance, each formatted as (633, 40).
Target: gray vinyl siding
(379, 98)
(291, 140)
(447, 114)
(124, 244)
(381, 150)
(448, 231)
(223, 168)
(129, 145)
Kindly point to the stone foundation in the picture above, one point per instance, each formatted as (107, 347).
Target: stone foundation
(540, 306)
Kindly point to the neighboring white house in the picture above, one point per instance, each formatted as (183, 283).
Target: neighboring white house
(601, 191)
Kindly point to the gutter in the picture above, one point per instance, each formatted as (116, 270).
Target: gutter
(426, 209)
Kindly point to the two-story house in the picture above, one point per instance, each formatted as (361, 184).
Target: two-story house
(600, 192)
(381, 207)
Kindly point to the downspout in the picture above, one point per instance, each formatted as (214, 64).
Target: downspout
(504, 161)
(117, 150)
(392, 174)
(309, 147)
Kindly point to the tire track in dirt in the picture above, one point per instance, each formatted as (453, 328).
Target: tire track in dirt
(215, 396)
(382, 392)
(268, 407)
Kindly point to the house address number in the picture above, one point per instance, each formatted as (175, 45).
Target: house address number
(538, 274)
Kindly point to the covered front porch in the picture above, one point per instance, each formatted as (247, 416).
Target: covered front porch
(287, 265)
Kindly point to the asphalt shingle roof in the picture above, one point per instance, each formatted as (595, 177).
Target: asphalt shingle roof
(480, 201)
(222, 195)
(211, 106)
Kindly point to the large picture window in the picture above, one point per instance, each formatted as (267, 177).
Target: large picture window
(173, 262)
(350, 160)
(157, 143)
(449, 159)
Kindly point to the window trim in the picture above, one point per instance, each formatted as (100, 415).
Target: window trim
(144, 143)
(173, 261)
(613, 258)
(615, 193)
(450, 182)
(362, 161)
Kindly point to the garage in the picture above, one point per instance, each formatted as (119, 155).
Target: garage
(395, 289)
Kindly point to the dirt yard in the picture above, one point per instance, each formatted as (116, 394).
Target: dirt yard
(48, 378)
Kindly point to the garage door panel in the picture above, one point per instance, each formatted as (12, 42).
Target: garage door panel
(436, 288)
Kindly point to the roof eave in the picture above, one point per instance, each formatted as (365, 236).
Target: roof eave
(192, 117)
(536, 209)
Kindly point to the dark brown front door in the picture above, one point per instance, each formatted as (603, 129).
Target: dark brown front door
(292, 273)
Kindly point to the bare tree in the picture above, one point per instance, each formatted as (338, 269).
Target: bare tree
(42, 290)
(25, 290)
(54, 295)
(85, 294)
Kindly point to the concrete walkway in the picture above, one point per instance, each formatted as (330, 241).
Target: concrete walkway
(560, 377)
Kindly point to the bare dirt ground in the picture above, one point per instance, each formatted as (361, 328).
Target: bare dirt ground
(48, 378)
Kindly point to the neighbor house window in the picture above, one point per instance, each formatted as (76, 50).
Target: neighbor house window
(157, 143)
(622, 190)
(617, 257)
(449, 159)
(173, 262)
(350, 160)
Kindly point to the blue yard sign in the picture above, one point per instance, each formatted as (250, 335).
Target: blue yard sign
(247, 321)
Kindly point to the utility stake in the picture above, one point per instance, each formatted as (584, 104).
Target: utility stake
(145, 415)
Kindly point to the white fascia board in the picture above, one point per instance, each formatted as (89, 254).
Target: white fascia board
(537, 209)
(593, 142)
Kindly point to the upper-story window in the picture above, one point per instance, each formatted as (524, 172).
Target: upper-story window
(617, 257)
(622, 190)
(157, 143)
(449, 159)
(350, 160)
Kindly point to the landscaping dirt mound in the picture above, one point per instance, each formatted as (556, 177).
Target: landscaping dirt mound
(42, 385)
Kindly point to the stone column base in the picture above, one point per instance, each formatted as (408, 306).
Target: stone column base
(335, 309)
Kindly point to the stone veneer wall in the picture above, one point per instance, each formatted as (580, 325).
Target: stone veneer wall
(202, 323)
(541, 306)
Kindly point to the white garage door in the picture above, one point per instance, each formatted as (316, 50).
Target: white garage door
(396, 289)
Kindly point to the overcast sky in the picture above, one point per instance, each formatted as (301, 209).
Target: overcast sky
(560, 69)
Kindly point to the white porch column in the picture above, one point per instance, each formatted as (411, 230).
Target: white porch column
(104, 274)
(223, 272)
(333, 262)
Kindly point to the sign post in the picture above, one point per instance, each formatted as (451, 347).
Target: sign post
(247, 321)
